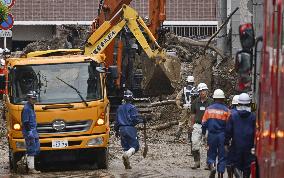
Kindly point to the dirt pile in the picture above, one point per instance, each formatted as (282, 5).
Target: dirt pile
(203, 63)
(67, 36)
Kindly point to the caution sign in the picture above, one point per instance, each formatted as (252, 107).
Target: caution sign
(9, 3)
(8, 24)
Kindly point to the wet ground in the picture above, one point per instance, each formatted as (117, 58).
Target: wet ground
(165, 158)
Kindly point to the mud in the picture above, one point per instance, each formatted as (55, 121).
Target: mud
(165, 158)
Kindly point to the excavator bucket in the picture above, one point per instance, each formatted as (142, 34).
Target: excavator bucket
(161, 78)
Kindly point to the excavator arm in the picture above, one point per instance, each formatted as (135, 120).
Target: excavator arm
(164, 68)
(107, 9)
(104, 35)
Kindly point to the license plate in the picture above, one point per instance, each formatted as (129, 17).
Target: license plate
(59, 143)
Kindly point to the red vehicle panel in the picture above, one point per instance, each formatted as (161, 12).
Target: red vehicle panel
(270, 134)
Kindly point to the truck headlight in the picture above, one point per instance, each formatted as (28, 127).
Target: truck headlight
(100, 121)
(17, 126)
(95, 141)
(20, 145)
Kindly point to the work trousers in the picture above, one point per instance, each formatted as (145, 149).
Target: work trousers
(185, 120)
(196, 137)
(33, 146)
(216, 147)
(128, 138)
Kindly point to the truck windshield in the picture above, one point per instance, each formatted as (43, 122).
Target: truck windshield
(44, 80)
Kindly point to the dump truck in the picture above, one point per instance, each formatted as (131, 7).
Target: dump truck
(72, 109)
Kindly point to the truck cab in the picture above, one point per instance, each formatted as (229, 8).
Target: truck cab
(72, 110)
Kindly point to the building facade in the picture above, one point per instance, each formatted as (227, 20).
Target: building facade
(37, 19)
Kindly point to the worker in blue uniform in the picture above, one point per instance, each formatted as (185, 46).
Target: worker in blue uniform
(214, 120)
(240, 132)
(126, 118)
(230, 154)
(30, 132)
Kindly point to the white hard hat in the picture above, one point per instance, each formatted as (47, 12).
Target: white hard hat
(235, 99)
(190, 78)
(6, 50)
(218, 93)
(2, 62)
(244, 98)
(202, 86)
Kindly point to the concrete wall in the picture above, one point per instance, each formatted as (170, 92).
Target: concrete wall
(235, 22)
(32, 33)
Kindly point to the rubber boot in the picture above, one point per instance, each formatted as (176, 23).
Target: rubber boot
(212, 171)
(189, 135)
(178, 134)
(31, 165)
(230, 171)
(246, 174)
(196, 157)
(220, 175)
(126, 156)
(238, 173)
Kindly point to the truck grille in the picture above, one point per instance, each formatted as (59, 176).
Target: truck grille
(74, 126)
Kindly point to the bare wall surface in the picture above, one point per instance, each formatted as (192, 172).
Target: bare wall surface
(86, 10)
(32, 33)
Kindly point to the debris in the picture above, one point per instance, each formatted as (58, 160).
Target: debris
(165, 125)
(220, 28)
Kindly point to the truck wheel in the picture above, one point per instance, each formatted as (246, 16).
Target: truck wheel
(13, 159)
(102, 158)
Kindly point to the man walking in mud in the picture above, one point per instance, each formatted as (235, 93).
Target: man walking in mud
(197, 110)
(214, 120)
(183, 101)
(126, 118)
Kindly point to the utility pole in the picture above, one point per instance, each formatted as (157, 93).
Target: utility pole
(245, 11)
(222, 41)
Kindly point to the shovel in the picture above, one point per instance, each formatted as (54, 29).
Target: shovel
(145, 151)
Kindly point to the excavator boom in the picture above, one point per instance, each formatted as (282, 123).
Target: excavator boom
(167, 66)
(108, 9)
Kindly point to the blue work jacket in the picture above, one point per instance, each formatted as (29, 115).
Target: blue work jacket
(127, 115)
(215, 117)
(29, 119)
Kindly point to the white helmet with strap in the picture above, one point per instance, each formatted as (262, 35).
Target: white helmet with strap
(244, 99)
(218, 93)
(235, 99)
(202, 86)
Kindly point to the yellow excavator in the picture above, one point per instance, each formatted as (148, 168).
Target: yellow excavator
(159, 75)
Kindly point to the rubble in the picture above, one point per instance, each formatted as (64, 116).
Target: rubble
(161, 127)
(76, 35)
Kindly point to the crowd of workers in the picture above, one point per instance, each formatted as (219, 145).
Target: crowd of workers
(228, 131)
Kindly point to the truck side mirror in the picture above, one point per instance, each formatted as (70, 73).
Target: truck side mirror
(247, 37)
(113, 70)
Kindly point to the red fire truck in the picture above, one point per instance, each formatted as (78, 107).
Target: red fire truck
(270, 96)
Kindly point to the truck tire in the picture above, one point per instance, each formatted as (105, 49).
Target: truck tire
(102, 159)
(13, 159)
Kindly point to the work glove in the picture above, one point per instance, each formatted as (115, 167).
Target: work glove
(30, 135)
